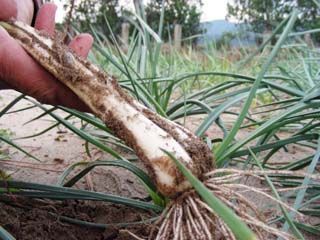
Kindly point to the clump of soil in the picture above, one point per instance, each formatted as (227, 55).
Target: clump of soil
(39, 219)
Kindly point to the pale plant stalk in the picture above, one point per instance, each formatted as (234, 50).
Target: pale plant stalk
(143, 130)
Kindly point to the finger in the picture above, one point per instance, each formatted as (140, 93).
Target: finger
(46, 18)
(32, 79)
(25, 11)
(8, 9)
(82, 44)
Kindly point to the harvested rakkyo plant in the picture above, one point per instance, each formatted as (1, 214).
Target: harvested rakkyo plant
(151, 136)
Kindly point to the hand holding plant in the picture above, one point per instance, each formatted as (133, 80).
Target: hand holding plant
(20, 72)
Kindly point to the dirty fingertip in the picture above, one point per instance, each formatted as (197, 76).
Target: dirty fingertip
(82, 44)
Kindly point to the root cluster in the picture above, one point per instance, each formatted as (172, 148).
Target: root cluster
(189, 217)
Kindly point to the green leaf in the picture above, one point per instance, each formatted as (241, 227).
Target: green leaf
(36, 190)
(11, 143)
(145, 179)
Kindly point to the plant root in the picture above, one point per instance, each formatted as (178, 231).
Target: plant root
(189, 217)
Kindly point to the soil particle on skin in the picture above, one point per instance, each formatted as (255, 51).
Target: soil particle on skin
(28, 219)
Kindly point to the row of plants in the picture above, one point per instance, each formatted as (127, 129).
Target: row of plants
(274, 89)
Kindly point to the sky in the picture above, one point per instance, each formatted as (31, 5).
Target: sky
(212, 9)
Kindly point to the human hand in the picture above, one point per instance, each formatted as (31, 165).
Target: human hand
(19, 71)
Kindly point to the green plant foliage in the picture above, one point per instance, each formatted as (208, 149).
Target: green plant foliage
(35, 190)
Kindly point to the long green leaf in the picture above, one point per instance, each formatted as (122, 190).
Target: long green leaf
(255, 86)
(55, 192)
(11, 143)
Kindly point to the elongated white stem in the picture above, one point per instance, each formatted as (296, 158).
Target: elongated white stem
(143, 130)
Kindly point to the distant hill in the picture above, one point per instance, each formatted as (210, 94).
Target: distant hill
(213, 30)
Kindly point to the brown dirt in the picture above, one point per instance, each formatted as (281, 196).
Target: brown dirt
(34, 219)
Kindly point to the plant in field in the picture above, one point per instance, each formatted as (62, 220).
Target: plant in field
(209, 210)
(202, 214)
